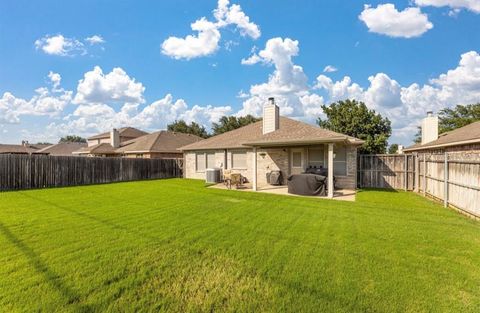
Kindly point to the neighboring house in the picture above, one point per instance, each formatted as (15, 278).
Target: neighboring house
(24, 148)
(460, 140)
(276, 143)
(62, 148)
(124, 134)
(157, 145)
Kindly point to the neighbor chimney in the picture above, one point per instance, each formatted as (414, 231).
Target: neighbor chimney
(115, 138)
(400, 149)
(429, 128)
(271, 116)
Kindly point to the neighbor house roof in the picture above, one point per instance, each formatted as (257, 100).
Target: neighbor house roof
(128, 132)
(62, 148)
(465, 135)
(290, 132)
(161, 141)
(19, 149)
(101, 148)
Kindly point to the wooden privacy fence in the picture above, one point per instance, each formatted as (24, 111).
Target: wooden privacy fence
(40, 171)
(395, 171)
(452, 178)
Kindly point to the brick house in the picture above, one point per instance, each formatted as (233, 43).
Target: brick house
(276, 143)
(463, 140)
(133, 143)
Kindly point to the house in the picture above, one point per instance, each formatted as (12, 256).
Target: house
(124, 134)
(157, 145)
(61, 149)
(24, 148)
(276, 143)
(461, 140)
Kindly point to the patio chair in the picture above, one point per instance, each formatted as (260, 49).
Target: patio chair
(235, 179)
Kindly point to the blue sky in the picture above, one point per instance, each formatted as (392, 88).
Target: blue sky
(401, 57)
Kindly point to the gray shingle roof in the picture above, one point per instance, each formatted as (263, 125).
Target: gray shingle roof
(62, 148)
(128, 132)
(466, 134)
(290, 132)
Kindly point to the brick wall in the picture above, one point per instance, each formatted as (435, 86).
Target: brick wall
(268, 160)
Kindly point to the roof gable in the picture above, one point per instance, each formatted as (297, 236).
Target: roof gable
(161, 141)
(128, 132)
(289, 131)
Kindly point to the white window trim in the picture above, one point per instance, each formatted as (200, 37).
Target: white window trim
(231, 160)
(302, 165)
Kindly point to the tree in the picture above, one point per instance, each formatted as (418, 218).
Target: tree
(461, 115)
(393, 149)
(182, 127)
(450, 119)
(72, 138)
(353, 118)
(228, 123)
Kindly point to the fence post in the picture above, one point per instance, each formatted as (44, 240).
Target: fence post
(445, 181)
(405, 183)
(416, 181)
(424, 174)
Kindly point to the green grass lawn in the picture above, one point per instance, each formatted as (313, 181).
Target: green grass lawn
(173, 245)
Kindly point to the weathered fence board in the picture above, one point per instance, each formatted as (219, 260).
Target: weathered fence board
(395, 171)
(452, 178)
(40, 171)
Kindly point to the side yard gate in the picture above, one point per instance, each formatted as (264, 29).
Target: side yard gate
(41, 171)
(451, 178)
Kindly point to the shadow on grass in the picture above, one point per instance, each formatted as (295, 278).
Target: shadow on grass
(386, 190)
(71, 298)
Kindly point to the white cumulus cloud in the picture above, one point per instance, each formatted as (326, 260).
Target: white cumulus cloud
(116, 86)
(208, 36)
(472, 5)
(95, 39)
(330, 69)
(387, 20)
(60, 45)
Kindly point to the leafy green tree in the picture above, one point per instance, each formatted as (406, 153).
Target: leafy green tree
(393, 149)
(72, 138)
(182, 127)
(461, 115)
(450, 119)
(228, 123)
(353, 118)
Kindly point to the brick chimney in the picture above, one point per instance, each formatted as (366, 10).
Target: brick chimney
(271, 116)
(429, 128)
(115, 138)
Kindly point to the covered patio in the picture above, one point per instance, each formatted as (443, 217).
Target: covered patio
(339, 194)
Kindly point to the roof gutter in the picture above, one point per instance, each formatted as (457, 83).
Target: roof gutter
(457, 143)
(343, 139)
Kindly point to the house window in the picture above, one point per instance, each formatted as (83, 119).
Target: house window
(210, 159)
(239, 160)
(200, 161)
(139, 156)
(340, 161)
(316, 157)
(297, 159)
(204, 160)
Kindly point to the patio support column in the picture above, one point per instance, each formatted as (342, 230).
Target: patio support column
(254, 169)
(330, 170)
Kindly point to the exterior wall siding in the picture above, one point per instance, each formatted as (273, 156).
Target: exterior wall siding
(268, 160)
